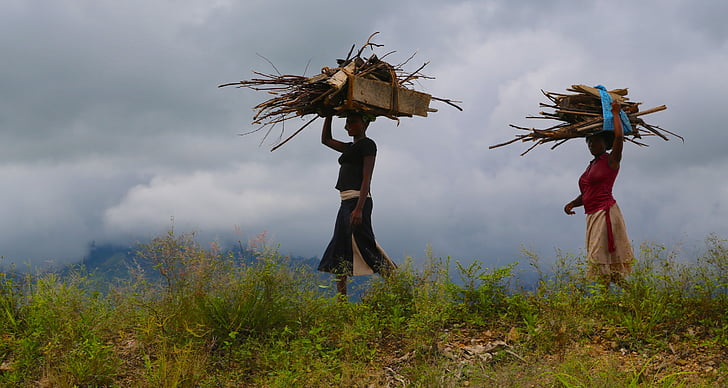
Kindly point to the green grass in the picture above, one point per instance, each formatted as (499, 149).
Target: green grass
(209, 319)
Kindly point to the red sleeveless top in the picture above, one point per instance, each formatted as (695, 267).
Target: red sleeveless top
(596, 184)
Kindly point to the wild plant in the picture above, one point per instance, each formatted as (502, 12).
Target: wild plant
(64, 333)
(482, 292)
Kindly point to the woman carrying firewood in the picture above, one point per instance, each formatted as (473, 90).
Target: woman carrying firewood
(609, 253)
(353, 249)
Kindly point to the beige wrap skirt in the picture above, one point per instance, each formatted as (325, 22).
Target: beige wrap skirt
(601, 262)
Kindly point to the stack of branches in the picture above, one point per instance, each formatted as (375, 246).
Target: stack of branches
(580, 115)
(383, 90)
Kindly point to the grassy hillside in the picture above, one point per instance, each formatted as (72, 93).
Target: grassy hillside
(206, 318)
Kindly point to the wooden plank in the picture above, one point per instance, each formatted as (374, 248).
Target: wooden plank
(379, 94)
(317, 78)
(339, 78)
(648, 111)
(615, 94)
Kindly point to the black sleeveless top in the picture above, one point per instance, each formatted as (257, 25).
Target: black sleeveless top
(351, 160)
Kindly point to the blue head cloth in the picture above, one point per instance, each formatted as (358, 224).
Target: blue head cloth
(607, 112)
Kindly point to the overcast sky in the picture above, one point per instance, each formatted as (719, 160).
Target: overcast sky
(112, 125)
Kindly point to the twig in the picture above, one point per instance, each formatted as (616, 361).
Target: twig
(508, 142)
(270, 63)
(415, 72)
(532, 147)
(294, 134)
(449, 102)
(348, 56)
(306, 68)
(559, 143)
(358, 54)
(514, 354)
(401, 65)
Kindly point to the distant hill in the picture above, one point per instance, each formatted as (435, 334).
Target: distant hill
(115, 261)
(110, 263)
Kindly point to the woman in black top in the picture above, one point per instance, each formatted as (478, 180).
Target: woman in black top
(353, 249)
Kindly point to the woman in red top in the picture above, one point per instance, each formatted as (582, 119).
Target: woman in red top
(609, 253)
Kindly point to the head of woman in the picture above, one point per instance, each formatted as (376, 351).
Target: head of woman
(357, 124)
(600, 143)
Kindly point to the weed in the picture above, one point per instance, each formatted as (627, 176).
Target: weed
(209, 318)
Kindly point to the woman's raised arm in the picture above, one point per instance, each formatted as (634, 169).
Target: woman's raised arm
(615, 157)
(327, 139)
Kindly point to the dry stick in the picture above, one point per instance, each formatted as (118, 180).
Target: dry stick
(251, 131)
(636, 142)
(401, 65)
(266, 135)
(414, 72)
(552, 116)
(653, 130)
(324, 94)
(578, 112)
(533, 146)
(358, 54)
(371, 69)
(545, 105)
(521, 128)
(671, 133)
(348, 56)
(388, 54)
(283, 118)
(553, 128)
(294, 134)
(305, 69)
(548, 95)
(558, 143)
(269, 62)
(519, 137)
(449, 102)
(514, 354)
(283, 130)
(648, 111)
(230, 84)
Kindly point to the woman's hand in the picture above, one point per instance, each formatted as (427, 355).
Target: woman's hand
(616, 107)
(569, 208)
(326, 111)
(326, 138)
(355, 219)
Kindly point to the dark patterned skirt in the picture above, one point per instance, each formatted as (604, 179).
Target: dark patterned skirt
(354, 251)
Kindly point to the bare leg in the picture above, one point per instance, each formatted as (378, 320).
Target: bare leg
(619, 280)
(604, 281)
(341, 285)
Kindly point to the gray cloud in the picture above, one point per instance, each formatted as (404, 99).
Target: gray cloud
(112, 123)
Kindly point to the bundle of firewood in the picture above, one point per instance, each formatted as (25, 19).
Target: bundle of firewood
(580, 114)
(366, 85)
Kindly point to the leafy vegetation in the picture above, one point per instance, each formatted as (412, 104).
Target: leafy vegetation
(208, 318)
